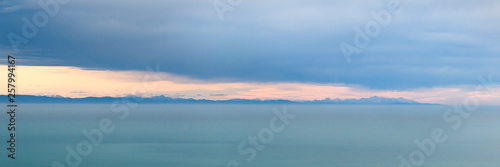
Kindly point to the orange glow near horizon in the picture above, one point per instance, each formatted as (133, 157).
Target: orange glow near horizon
(77, 82)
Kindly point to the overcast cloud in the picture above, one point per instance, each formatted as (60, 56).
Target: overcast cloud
(429, 44)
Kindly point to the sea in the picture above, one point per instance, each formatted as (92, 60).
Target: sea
(230, 135)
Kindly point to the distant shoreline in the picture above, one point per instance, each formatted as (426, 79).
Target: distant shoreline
(168, 100)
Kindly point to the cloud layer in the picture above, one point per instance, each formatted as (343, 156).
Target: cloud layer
(429, 44)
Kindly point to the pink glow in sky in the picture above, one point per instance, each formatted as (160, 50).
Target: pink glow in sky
(77, 82)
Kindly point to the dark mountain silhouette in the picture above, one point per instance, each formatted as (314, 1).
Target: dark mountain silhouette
(169, 100)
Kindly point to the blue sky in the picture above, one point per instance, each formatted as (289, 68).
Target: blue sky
(428, 44)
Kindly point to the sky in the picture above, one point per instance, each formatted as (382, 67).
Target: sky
(427, 51)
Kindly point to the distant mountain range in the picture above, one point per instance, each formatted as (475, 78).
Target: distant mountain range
(168, 100)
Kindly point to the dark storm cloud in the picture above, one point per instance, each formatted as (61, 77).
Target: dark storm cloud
(428, 44)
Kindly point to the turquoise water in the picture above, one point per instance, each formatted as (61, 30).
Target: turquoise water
(209, 135)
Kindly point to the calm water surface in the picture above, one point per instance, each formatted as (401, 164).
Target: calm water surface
(209, 136)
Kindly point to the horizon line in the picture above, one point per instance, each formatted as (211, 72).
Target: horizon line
(164, 99)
